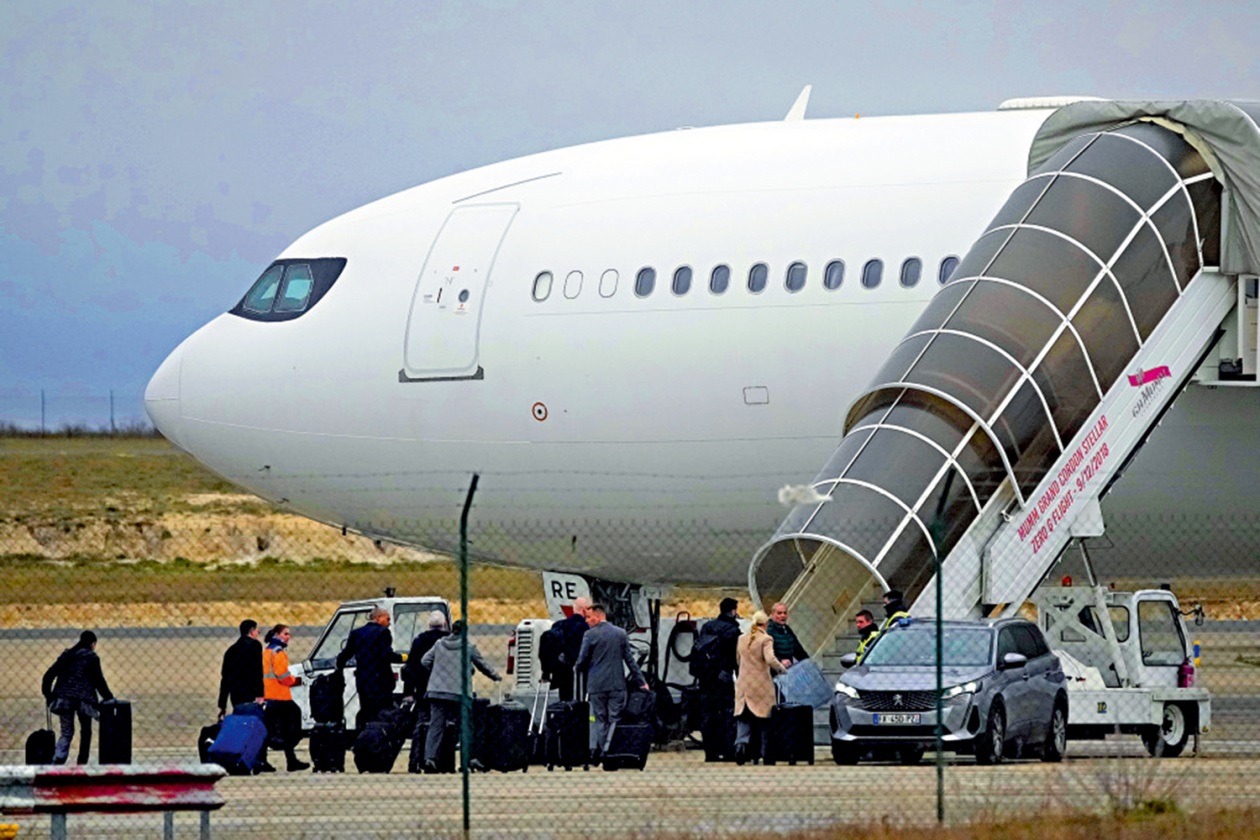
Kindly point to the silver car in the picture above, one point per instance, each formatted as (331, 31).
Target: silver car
(1004, 694)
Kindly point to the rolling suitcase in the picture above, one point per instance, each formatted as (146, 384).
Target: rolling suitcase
(629, 748)
(204, 739)
(376, 748)
(446, 755)
(507, 738)
(41, 744)
(115, 742)
(327, 698)
(567, 735)
(328, 748)
(537, 721)
(790, 734)
(242, 737)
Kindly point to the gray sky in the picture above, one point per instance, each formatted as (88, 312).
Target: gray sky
(155, 157)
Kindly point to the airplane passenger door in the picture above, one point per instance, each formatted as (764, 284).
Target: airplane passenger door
(444, 324)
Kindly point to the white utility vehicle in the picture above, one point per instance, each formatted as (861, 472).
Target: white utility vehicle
(1129, 663)
(408, 616)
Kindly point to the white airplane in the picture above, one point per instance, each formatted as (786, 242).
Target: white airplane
(636, 343)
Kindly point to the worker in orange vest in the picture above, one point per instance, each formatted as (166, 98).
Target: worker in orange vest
(284, 719)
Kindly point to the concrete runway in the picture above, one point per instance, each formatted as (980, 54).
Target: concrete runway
(172, 682)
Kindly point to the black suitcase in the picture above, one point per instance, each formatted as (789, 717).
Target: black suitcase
(506, 735)
(790, 734)
(204, 739)
(567, 735)
(376, 748)
(629, 748)
(328, 748)
(41, 744)
(327, 698)
(446, 755)
(115, 743)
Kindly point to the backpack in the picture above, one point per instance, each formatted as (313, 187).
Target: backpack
(706, 656)
(551, 650)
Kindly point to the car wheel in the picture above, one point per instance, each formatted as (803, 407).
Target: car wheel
(844, 754)
(1056, 737)
(991, 745)
(1169, 738)
(910, 756)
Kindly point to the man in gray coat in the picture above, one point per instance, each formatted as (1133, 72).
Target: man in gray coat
(446, 687)
(605, 649)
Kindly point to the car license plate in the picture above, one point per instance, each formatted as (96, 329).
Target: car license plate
(895, 720)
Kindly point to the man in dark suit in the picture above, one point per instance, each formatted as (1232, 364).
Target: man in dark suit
(572, 630)
(603, 659)
(414, 675)
(241, 677)
(716, 641)
(372, 649)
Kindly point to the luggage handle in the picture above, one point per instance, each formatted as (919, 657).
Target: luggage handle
(48, 715)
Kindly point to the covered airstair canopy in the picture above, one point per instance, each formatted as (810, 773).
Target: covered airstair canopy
(1035, 372)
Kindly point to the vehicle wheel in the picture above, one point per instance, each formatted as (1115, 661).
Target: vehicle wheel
(1056, 738)
(910, 756)
(1169, 738)
(991, 745)
(844, 754)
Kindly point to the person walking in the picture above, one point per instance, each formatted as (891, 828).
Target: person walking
(868, 632)
(71, 687)
(754, 687)
(240, 676)
(415, 676)
(282, 715)
(603, 659)
(786, 646)
(446, 688)
(571, 631)
(372, 649)
(715, 651)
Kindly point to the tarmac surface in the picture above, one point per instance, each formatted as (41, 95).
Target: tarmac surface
(172, 682)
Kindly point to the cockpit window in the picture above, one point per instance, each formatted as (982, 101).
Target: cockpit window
(288, 288)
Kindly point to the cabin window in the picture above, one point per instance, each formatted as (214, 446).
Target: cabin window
(288, 288)
(542, 286)
(645, 281)
(795, 279)
(911, 271)
(608, 283)
(682, 280)
(833, 276)
(872, 273)
(720, 279)
(947, 268)
(757, 276)
(573, 284)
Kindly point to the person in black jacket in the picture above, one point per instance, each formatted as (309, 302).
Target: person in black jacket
(716, 675)
(70, 688)
(372, 649)
(414, 675)
(571, 631)
(241, 676)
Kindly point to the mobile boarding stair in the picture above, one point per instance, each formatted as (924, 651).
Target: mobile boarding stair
(1032, 378)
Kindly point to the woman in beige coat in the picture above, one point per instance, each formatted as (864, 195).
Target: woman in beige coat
(754, 687)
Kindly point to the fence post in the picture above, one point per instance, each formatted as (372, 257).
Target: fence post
(936, 531)
(465, 693)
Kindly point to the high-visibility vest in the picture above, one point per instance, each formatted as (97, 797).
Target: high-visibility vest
(865, 644)
(276, 676)
(893, 619)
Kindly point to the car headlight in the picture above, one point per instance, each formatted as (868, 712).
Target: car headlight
(846, 690)
(965, 688)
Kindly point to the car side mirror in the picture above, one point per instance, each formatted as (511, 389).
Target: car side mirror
(848, 660)
(1012, 660)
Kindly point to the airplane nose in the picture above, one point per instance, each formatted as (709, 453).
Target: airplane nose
(161, 397)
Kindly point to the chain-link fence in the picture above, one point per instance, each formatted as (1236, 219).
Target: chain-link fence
(1047, 714)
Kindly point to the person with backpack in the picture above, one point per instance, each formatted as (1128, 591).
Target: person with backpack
(70, 687)
(713, 665)
(559, 647)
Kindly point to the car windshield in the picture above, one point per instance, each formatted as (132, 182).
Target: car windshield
(963, 646)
